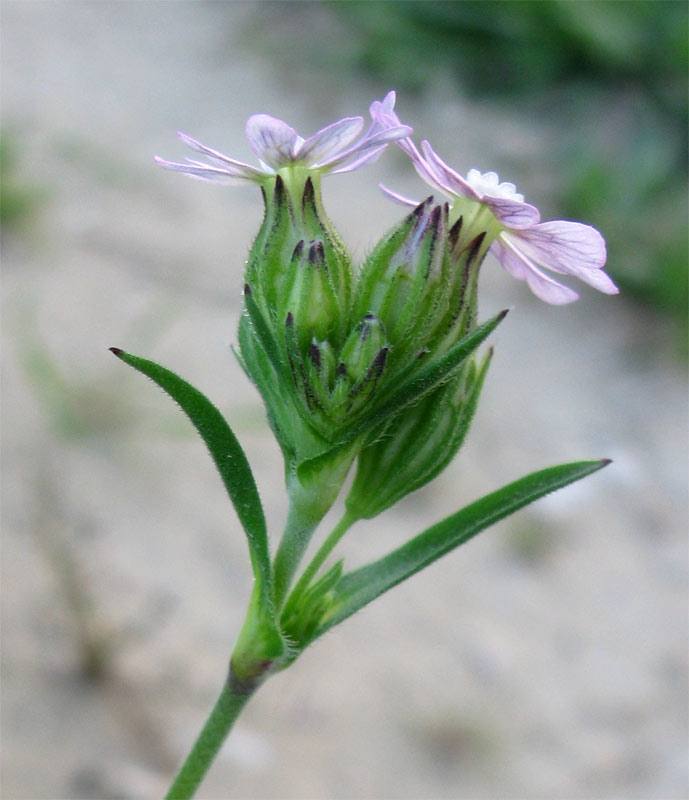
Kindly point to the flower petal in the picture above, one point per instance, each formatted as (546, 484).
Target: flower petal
(330, 140)
(571, 248)
(567, 244)
(519, 267)
(385, 136)
(273, 141)
(383, 115)
(446, 178)
(233, 167)
(358, 161)
(385, 107)
(210, 174)
(351, 158)
(513, 213)
(548, 289)
(398, 198)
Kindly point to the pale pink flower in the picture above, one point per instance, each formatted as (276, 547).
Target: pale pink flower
(525, 246)
(333, 149)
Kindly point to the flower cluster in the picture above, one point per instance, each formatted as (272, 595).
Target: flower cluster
(377, 364)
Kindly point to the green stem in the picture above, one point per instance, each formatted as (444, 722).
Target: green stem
(299, 528)
(232, 700)
(311, 496)
(345, 523)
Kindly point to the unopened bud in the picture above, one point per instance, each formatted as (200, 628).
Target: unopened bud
(416, 445)
(361, 364)
(461, 312)
(321, 364)
(404, 280)
(310, 295)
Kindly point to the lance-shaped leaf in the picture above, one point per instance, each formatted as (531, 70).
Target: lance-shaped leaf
(227, 454)
(358, 588)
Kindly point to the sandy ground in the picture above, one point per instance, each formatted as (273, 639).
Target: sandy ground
(546, 660)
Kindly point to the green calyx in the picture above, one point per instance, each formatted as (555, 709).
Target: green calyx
(405, 279)
(293, 214)
(471, 218)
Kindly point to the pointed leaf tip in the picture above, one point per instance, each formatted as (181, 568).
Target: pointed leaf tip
(227, 454)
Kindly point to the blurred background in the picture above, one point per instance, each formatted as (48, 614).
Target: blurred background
(547, 659)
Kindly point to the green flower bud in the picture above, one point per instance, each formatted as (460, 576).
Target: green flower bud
(321, 364)
(325, 361)
(334, 388)
(270, 253)
(461, 313)
(314, 219)
(361, 365)
(417, 445)
(405, 280)
(287, 222)
(311, 295)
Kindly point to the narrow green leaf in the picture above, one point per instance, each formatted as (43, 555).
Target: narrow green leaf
(226, 452)
(358, 588)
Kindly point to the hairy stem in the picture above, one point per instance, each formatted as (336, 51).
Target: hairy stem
(298, 531)
(233, 698)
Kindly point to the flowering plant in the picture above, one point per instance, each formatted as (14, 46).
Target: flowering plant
(375, 366)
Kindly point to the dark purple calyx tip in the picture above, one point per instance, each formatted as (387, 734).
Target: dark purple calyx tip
(317, 254)
(309, 195)
(474, 247)
(420, 210)
(455, 231)
(315, 355)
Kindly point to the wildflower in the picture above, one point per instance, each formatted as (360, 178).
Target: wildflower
(332, 149)
(520, 241)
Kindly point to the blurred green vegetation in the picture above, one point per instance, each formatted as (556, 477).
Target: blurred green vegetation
(79, 406)
(523, 46)
(19, 201)
(564, 63)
